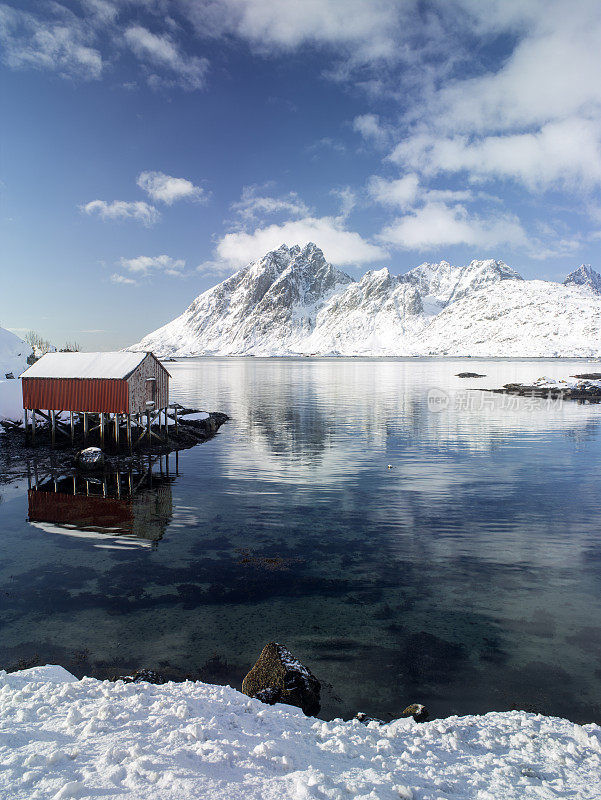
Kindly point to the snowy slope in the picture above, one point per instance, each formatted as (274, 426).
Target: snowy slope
(293, 302)
(13, 360)
(13, 353)
(522, 319)
(62, 738)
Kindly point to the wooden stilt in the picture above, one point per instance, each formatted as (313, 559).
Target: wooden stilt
(130, 479)
(33, 424)
(118, 476)
(53, 427)
(148, 425)
(129, 432)
(85, 427)
(176, 421)
(72, 428)
(117, 429)
(26, 420)
(102, 429)
(74, 485)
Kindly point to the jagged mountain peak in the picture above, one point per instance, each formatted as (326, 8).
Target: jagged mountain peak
(292, 301)
(585, 275)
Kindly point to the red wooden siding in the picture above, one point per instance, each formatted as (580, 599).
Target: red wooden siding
(76, 394)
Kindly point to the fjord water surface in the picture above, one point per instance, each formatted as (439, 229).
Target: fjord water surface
(409, 538)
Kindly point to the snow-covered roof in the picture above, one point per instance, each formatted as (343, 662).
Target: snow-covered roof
(85, 365)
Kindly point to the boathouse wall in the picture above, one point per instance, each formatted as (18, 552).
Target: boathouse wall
(96, 395)
(148, 382)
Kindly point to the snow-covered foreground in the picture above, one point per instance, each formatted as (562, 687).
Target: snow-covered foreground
(64, 738)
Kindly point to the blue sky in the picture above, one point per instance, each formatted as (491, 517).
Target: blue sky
(150, 148)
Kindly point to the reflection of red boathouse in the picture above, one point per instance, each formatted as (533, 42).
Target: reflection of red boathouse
(135, 506)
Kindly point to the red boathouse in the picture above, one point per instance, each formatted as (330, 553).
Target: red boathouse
(122, 385)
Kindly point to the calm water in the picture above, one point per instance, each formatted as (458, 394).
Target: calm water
(466, 576)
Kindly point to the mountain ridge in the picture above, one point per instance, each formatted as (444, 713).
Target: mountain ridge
(293, 302)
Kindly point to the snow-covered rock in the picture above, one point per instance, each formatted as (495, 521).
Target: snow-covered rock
(13, 354)
(293, 302)
(585, 276)
(63, 738)
(13, 361)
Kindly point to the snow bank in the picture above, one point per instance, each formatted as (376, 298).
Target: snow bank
(11, 400)
(13, 360)
(13, 353)
(62, 738)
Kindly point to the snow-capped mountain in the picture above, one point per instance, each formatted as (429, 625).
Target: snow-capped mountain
(585, 276)
(293, 302)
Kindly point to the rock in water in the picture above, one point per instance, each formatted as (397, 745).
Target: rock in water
(277, 674)
(417, 711)
(90, 458)
(469, 375)
(142, 676)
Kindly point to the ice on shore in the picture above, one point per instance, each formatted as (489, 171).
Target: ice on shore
(64, 738)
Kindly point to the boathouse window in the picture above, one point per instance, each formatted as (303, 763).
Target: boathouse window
(151, 390)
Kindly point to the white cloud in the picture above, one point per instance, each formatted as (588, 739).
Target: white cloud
(166, 189)
(565, 153)
(327, 143)
(252, 205)
(60, 43)
(116, 278)
(368, 26)
(340, 246)
(437, 225)
(534, 118)
(162, 51)
(370, 128)
(407, 192)
(401, 192)
(552, 72)
(347, 199)
(144, 265)
(121, 209)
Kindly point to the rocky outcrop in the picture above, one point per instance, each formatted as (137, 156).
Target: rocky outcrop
(142, 676)
(278, 677)
(417, 711)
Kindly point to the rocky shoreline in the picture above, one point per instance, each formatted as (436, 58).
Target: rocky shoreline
(584, 388)
(16, 454)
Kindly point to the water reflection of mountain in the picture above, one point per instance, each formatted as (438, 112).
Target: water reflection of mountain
(324, 419)
(117, 510)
